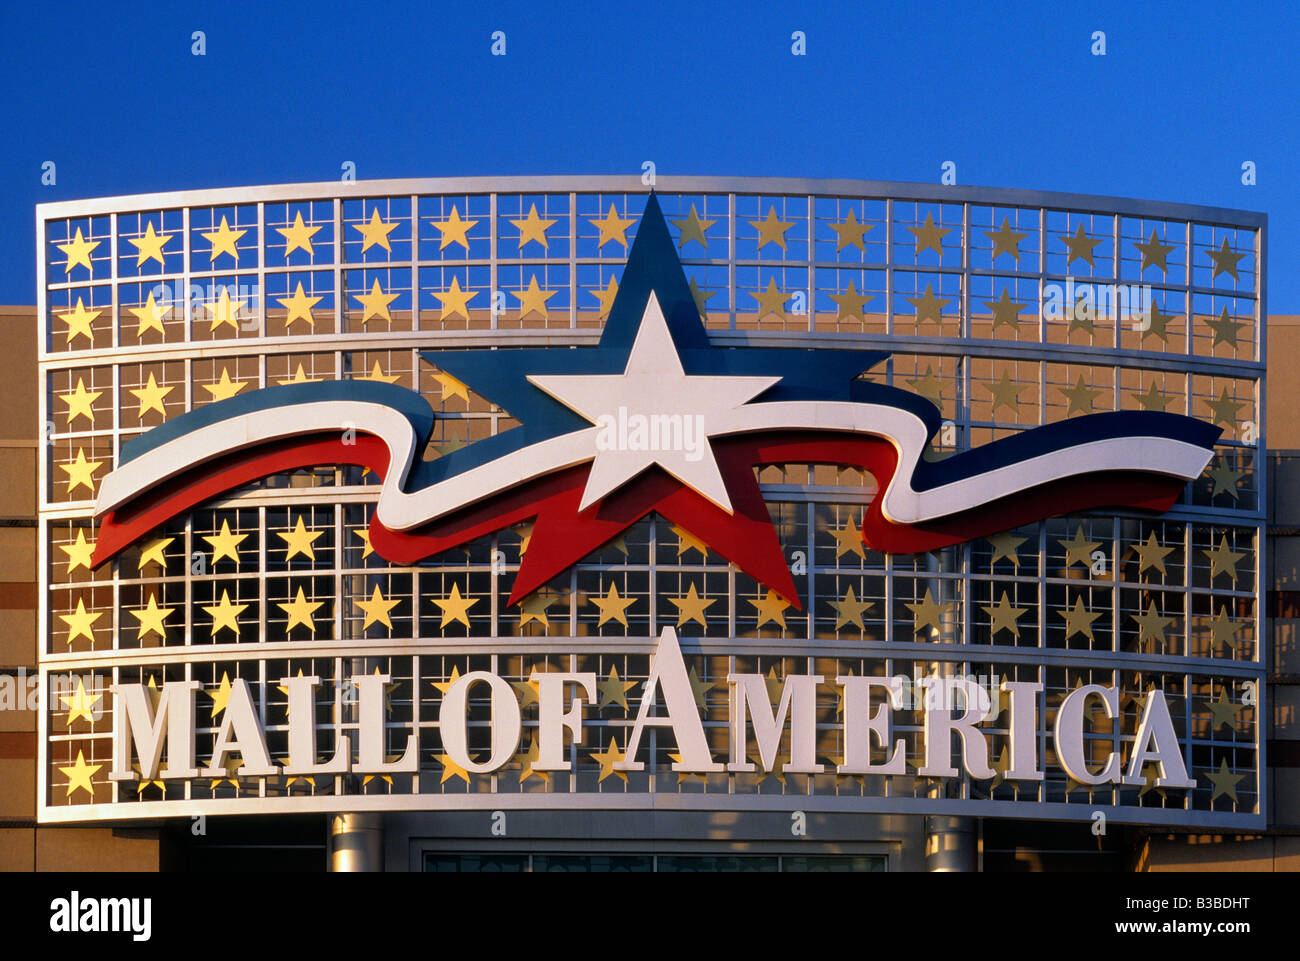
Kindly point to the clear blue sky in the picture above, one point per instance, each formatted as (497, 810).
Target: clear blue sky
(1011, 93)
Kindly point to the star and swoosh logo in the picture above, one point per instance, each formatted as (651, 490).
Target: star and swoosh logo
(702, 418)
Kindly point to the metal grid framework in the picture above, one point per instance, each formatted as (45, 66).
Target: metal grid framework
(136, 331)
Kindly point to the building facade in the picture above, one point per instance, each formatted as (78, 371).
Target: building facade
(1005, 313)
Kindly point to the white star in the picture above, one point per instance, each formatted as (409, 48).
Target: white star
(653, 413)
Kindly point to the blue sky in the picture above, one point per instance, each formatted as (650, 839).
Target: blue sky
(1010, 93)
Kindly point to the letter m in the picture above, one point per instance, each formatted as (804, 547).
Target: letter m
(749, 701)
(140, 726)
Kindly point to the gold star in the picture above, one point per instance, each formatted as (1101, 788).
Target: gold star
(223, 241)
(1223, 712)
(525, 532)
(849, 539)
(454, 230)
(686, 541)
(612, 227)
(1225, 261)
(299, 307)
(224, 543)
(850, 609)
(534, 608)
(928, 306)
(79, 402)
(299, 377)
(79, 321)
(761, 773)
(377, 609)
(225, 614)
(454, 607)
(1004, 545)
(451, 387)
(611, 756)
(1224, 781)
(851, 303)
(1151, 625)
(850, 232)
(375, 304)
(1151, 554)
(225, 388)
(298, 236)
(927, 613)
(445, 686)
(529, 692)
(1157, 323)
(1081, 247)
(1005, 240)
(1152, 399)
(1078, 548)
(375, 232)
(364, 535)
(300, 611)
(606, 297)
(1223, 630)
(149, 317)
(1225, 329)
(150, 246)
(451, 769)
(1149, 784)
(928, 386)
(771, 230)
(1005, 311)
(529, 760)
(613, 690)
(532, 299)
(773, 684)
(79, 704)
(1004, 616)
(1005, 393)
(1078, 620)
(1222, 560)
(692, 228)
(1080, 315)
(152, 553)
(1224, 409)
(455, 302)
(299, 541)
(532, 228)
(232, 766)
(699, 296)
(1154, 252)
(691, 607)
(78, 251)
(769, 608)
(80, 623)
(687, 775)
(151, 397)
(377, 374)
(770, 301)
(612, 607)
(79, 775)
(151, 618)
(1225, 481)
(81, 472)
(225, 311)
(1080, 396)
(929, 237)
(79, 553)
(700, 690)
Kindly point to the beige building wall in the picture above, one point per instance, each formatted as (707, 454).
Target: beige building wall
(24, 846)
